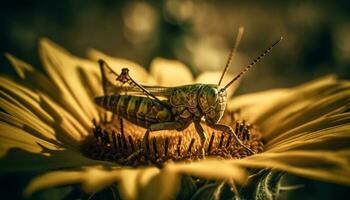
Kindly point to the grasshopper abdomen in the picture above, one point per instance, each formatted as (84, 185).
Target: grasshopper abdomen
(139, 110)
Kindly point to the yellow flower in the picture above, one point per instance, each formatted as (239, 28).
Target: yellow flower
(46, 117)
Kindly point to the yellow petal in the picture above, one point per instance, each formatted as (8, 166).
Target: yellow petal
(280, 110)
(30, 109)
(13, 137)
(305, 128)
(19, 66)
(128, 180)
(53, 179)
(31, 78)
(161, 186)
(214, 77)
(65, 71)
(92, 179)
(46, 127)
(21, 151)
(264, 102)
(208, 169)
(329, 166)
(141, 183)
(253, 105)
(303, 111)
(169, 177)
(170, 72)
(330, 132)
(137, 72)
(295, 99)
(25, 118)
(23, 97)
(66, 126)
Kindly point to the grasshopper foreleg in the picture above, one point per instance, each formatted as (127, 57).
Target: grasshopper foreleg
(154, 127)
(228, 129)
(201, 134)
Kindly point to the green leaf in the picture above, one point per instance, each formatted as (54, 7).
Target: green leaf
(268, 186)
(188, 188)
(206, 192)
(58, 193)
(110, 192)
(227, 193)
(70, 192)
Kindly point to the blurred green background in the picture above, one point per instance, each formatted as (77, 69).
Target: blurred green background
(198, 33)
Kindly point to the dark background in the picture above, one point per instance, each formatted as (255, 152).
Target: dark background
(198, 33)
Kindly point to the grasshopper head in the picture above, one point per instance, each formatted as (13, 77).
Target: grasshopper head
(212, 101)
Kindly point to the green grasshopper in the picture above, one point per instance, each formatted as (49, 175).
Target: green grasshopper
(170, 108)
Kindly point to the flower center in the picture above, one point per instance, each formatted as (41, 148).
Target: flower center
(116, 140)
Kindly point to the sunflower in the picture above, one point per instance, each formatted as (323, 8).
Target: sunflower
(47, 127)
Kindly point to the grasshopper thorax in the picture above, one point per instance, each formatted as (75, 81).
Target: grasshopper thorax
(212, 101)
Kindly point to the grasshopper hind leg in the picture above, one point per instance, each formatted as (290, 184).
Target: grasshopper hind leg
(143, 150)
(145, 141)
(202, 136)
(228, 129)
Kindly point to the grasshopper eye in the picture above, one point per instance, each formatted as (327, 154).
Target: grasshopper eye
(212, 113)
(212, 96)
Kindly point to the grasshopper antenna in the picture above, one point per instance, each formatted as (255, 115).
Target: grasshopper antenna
(252, 64)
(232, 53)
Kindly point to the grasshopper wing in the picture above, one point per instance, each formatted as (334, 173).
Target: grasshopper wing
(113, 83)
(110, 85)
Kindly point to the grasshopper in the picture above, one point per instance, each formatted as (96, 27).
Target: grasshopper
(170, 108)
